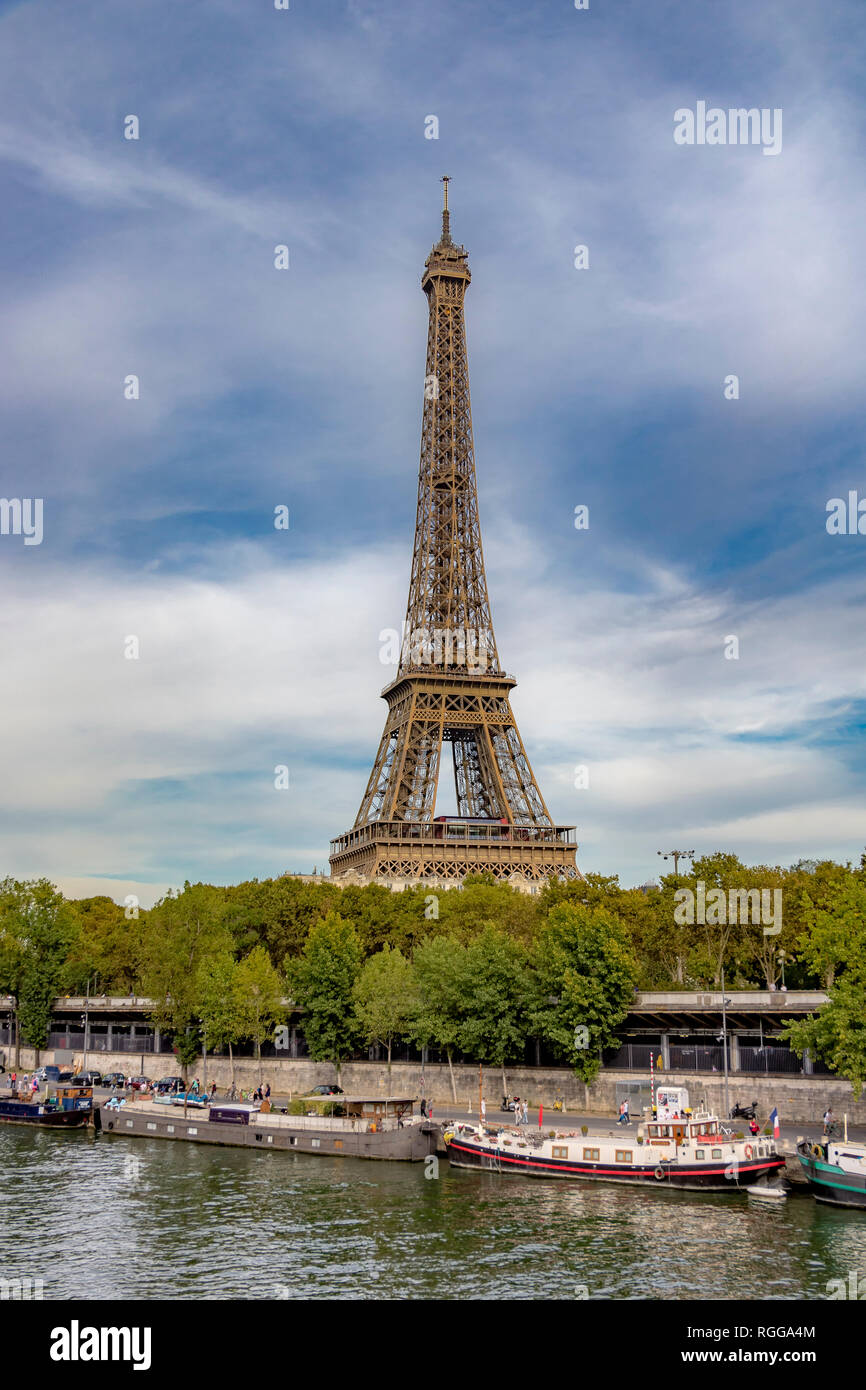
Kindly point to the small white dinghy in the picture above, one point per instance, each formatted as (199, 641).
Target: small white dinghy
(763, 1192)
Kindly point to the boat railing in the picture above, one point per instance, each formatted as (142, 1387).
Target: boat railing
(352, 1124)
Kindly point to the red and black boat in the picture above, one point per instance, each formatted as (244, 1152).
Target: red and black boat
(673, 1147)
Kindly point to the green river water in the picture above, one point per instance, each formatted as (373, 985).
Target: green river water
(109, 1217)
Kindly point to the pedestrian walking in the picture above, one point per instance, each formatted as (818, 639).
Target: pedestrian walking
(828, 1120)
(424, 1107)
(526, 1112)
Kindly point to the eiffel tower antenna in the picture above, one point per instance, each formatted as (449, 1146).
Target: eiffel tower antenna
(446, 216)
(450, 686)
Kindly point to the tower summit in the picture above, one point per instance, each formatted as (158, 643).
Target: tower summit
(450, 686)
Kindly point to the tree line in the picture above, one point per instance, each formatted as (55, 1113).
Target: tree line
(469, 972)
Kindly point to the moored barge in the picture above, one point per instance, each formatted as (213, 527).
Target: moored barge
(372, 1127)
(70, 1108)
(679, 1148)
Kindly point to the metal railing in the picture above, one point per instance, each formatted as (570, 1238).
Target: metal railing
(440, 832)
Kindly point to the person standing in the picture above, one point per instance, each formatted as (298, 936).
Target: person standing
(828, 1120)
(526, 1112)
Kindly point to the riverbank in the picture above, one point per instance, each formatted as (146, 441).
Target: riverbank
(799, 1099)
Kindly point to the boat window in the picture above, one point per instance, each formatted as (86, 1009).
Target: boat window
(591, 1154)
(623, 1155)
(560, 1151)
(192, 1131)
(338, 1143)
(699, 1153)
(151, 1126)
(717, 1153)
(315, 1143)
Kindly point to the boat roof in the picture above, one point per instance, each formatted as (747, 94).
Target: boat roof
(363, 1099)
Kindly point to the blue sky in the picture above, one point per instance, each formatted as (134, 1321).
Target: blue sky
(304, 387)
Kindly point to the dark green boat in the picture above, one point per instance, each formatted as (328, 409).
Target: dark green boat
(835, 1170)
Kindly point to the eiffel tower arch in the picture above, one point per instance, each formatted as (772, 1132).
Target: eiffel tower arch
(450, 687)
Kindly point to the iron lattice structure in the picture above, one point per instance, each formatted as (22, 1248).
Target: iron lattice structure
(450, 687)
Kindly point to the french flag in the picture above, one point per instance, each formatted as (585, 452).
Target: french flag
(774, 1121)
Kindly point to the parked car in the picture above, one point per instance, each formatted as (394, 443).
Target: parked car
(140, 1083)
(113, 1079)
(326, 1091)
(169, 1083)
(92, 1078)
(53, 1075)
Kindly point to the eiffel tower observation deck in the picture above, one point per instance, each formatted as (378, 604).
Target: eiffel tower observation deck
(450, 686)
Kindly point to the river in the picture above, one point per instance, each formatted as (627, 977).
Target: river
(108, 1217)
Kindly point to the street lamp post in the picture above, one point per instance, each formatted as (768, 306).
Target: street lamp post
(86, 1025)
(676, 855)
(725, 1003)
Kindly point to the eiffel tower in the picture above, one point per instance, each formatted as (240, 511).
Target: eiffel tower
(450, 686)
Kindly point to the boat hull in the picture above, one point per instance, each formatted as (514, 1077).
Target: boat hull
(830, 1184)
(21, 1113)
(413, 1143)
(700, 1177)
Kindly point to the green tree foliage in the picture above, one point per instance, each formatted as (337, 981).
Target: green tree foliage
(834, 946)
(386, 999)
(182, 931)
(440, 967)
(259, 991)
(496, 1000)
(37, 929)
(322, 983)
(218, 1004)
(585, 979)
(106, 948)
(465, 913)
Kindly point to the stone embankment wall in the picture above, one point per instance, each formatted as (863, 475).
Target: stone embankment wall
(798, 1098)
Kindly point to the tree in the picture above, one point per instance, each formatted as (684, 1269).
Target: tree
(496, 997)
(440, 967)
(464, 912)
(107, 946)
(833, 911)
(585, 979)
(259, 995)
(322, 982)
(838, 1033)
(386, 999)
(182, 931)
(37, 929)
(835, 948)
(218, 1007)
